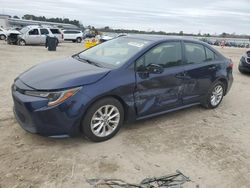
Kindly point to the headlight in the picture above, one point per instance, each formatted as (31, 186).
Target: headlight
(54, 97)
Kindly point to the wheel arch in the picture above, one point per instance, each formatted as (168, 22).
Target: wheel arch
(123, 103)
(224, 81)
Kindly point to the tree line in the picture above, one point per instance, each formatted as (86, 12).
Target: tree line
(43, 18)
(108, 29)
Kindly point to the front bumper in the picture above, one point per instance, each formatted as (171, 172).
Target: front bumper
(33, 114)
(243, 65)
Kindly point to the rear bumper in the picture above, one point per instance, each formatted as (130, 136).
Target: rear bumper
(229, 83)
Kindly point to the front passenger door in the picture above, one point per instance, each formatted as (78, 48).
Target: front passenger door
(158, 79)
(33, 37)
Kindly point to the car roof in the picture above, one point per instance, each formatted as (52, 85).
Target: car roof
(40, 27)
(159, 38)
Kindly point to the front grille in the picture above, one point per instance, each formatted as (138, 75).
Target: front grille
(248, 60)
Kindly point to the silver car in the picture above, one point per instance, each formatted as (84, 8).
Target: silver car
(38, 34)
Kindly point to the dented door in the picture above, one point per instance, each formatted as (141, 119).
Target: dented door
(158, 92)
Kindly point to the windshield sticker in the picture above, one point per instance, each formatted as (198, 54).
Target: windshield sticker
(136, 44)
(118, 62)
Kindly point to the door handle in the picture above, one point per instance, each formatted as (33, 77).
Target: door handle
(182, 75)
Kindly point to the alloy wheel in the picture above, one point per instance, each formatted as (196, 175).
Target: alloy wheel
(217, 95)
(105, 121)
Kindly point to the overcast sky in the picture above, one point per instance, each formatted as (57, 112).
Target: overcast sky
(192, 16)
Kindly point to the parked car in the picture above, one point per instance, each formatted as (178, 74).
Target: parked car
(37, 35)
(3, 34)
(73, 35)
(124, 79)
(244, 65)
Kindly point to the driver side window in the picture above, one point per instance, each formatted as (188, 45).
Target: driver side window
(167, 54)
(33, 32)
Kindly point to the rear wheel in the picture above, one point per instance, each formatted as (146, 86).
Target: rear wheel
(78, 40)
(215, 95)
(21, 42)
(103, 120)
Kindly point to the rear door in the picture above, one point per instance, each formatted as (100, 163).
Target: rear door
(57, 33)
(160, 91)
(44, 32)
(200, 70)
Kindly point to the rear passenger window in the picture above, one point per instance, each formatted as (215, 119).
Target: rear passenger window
(195, 53)
(210, 55)
(55, 31)
(44, 31)
(167, 55)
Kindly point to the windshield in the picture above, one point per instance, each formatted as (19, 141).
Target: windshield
(24, 30)
(114, 53)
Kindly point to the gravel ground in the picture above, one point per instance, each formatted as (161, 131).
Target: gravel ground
(209, 146)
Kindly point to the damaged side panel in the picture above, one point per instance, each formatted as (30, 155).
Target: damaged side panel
(158, 92)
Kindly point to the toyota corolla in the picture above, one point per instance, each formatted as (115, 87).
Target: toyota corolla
(125, 79)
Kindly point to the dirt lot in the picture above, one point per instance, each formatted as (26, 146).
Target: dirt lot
(209, 146)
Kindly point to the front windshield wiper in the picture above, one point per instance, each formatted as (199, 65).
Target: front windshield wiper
(87, 60)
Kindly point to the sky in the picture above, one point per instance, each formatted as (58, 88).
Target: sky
(190, 16)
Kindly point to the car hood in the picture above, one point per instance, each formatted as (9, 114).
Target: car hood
(61, 74)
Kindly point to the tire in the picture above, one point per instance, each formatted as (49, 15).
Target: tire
(217, 88)
(21, 42)
(78, 40)
(95, 124)
(2, 37)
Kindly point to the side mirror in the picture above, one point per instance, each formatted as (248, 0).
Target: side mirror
(155, 69)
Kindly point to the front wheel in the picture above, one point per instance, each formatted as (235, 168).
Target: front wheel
(103, 120)
(2, 37)
(215, 95)
(22, 42)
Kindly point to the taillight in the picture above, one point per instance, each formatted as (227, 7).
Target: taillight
(231, 65)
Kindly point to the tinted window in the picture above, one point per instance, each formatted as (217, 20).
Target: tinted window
(167, 54)
(66, 32)
(34, 32)
(210, 55)
(195, 53)
(55, 31)
(44, 31)
(1, 30)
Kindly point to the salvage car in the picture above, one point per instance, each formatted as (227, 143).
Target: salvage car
(35, 34)
(244, 65)
(125, 79)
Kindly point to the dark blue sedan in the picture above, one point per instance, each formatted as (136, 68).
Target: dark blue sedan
(125, 79)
